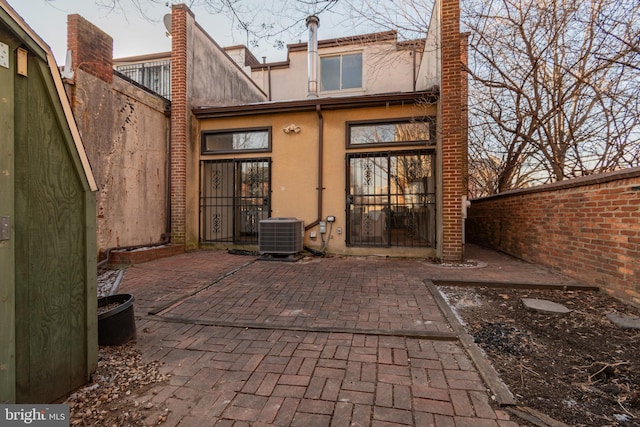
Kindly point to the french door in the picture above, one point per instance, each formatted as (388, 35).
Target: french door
(391, 199)
(235, 196)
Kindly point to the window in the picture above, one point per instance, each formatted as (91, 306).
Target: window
(396, 132)
(341, 72)
(391, 199)
(236, 140)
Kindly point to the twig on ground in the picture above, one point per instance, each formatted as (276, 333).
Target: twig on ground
(530, 370)
(606, 366)
(625, 409)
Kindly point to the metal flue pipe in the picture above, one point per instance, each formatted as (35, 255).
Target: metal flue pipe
(313, 22)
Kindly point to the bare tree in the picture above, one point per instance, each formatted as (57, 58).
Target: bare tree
(273, 21)
(555, 87)
(555, 84)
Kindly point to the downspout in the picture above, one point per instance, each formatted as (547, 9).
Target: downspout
(320, 167)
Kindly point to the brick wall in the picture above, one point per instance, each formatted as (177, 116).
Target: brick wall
(91, 48)
(587, 228)
(179, 121)
(454, 152)
(464, 107)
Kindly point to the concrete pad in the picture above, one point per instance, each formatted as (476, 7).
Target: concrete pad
(624, 321)
(545, 306)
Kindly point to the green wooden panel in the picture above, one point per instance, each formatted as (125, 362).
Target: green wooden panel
(91, 284)
(51, 248)
(88, 299)
(7, 249)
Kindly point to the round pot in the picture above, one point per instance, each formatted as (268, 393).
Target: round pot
(116, 323)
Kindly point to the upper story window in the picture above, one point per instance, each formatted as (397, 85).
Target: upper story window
(406, 132)
(229, 141)
(341, 72)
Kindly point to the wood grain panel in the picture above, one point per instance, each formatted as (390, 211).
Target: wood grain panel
(7, 247)
(51, 268)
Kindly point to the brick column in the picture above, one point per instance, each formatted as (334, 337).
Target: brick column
(464, 103)
(91, 48)
(179, 122)
(453, 149)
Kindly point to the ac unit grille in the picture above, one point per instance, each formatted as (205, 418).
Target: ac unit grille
(280, 236)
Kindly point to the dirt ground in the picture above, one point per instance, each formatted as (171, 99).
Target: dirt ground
(112, 398)
(578, 368)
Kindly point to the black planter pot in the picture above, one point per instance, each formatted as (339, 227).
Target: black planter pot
(117, 325)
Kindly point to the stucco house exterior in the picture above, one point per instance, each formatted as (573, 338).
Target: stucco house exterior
(365, 146)
(361, 138)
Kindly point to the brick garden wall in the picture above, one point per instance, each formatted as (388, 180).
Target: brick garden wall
(586, 228)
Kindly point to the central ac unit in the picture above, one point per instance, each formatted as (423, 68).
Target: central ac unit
(280, 236)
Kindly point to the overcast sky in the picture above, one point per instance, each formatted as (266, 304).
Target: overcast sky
(134, 35)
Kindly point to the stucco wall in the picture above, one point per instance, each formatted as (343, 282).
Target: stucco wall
(295, 169)
(124, 130)
(386, 68)
(213, 76)
(587, 228)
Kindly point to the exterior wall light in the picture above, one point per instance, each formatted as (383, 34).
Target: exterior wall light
(291, 129)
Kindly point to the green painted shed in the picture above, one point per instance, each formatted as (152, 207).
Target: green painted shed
(48, 321)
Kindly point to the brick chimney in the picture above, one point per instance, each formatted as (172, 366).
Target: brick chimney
(454, 150)
(91, 48)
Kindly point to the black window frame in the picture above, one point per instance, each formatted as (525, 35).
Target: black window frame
(430, 200)
(204, 134)
(429, 120)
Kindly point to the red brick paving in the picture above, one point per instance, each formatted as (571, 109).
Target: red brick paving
(297, 369)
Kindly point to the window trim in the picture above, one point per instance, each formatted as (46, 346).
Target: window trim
(341, 89)
(204, 134)
(430, 120)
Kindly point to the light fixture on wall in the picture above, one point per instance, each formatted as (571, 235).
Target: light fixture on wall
(291, 129)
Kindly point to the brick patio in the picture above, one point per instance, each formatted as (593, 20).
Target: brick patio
(334, 341)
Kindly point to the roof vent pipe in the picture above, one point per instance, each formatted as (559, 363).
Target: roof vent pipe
(313, 22)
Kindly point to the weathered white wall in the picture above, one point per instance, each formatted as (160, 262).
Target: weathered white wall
(239, 55)
(386, 68)
(124, 131)
(213, 77)
(429, 73)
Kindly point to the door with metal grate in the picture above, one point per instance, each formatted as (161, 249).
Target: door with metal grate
(391, 199)
(235, 196)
